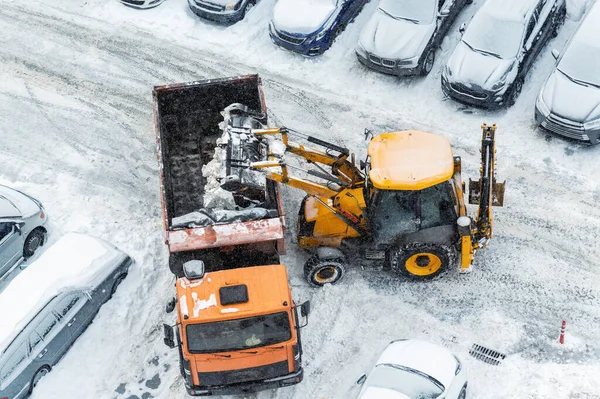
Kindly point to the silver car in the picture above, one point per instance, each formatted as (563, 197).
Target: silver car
(569, 102)
(49, 305)
(22, 231)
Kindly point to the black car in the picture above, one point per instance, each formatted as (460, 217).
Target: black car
(489, 64)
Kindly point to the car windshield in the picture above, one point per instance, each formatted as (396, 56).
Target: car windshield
(581, 63)
(396, 212)
(238, 334)
(417, 11)
(494, 37)
(412, 383)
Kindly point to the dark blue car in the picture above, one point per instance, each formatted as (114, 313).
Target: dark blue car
(309, 27)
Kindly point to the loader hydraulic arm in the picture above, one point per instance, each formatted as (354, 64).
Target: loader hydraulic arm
(485, 192)
(340, 173)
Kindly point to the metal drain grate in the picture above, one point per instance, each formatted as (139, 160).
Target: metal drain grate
(486, 355)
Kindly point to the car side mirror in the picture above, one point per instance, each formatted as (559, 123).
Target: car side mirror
(169, 339)
(19, 227)
(555, 53)
(170, 305)
(462, 28)
(361, 379)
(443, 13)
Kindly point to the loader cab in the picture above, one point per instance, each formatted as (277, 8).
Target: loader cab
(408, 196)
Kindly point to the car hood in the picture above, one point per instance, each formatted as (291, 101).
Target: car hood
(391, 38)
(476, 69)
(558, 94)
(301, 16)
(14, 203)
(221, 2)
(431, 359)
(381, 393)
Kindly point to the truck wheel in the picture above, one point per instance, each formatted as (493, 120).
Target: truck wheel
(34, 240)
(38, 376)
(420, 261)
(319, 272)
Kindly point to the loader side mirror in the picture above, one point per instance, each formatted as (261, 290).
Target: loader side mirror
(368, 133)
(170, 305)
(462, 28)
(555, 53)
(169, 339)
(362, 165)
(361, 379)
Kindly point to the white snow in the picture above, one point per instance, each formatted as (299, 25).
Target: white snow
(201, 304)
(75, 261)
(183, 306)
(302, 16)
(230, 310)
(95, 170)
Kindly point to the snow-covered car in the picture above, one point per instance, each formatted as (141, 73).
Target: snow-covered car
(402, 35)
(309, 27)
(569, 102)
(223, 11)
(22, 231)
(413, 369)
(142, 3)
(489, 64)
(49, 305)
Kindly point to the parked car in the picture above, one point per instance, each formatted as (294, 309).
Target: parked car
(222, 11)
(47, 306)
(144, 4)
(489, 64)
(569, 102)
(402, 36)
(309, 27)
(412, 369)
(22, 231)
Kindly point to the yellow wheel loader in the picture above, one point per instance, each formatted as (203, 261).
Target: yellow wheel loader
(402, 207)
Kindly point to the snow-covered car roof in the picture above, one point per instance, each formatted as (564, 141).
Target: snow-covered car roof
(14, 203)
(508, 10)
(75, 261)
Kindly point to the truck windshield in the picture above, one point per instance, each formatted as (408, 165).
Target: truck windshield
(397, 212)
(238, 334)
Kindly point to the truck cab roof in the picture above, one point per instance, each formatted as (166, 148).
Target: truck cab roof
(234, 293)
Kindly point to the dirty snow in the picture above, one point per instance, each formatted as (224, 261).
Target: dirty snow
(94, 167)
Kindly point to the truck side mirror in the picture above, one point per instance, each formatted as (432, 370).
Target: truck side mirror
(169, 339)
(555, 53)
(462, 28)
(171, 305)
(361, 379)
(305, 309)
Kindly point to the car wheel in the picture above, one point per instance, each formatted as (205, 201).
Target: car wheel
(38, 376)
(559, 20)
(118, 281)
(34, 240)
(319, 272)
(467, 2)
(428, 61)
(422, 261)
(514, 92)
(463, 392)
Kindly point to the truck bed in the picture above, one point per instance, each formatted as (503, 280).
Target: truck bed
(187, 118)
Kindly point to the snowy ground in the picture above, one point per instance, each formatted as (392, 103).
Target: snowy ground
(76, 132)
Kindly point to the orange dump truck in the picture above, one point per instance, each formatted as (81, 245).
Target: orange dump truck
(237, 328)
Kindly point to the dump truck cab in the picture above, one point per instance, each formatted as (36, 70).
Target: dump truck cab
(237, 330)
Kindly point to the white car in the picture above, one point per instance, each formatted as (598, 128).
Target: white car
(413, 369)
(142, 3)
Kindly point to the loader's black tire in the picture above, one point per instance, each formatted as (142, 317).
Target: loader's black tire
(319, 272)
(422, 261)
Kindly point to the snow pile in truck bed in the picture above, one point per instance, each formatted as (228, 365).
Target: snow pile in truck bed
(214, 195)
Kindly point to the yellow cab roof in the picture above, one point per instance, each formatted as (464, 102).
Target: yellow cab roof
(410, 160)
(267, 291)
